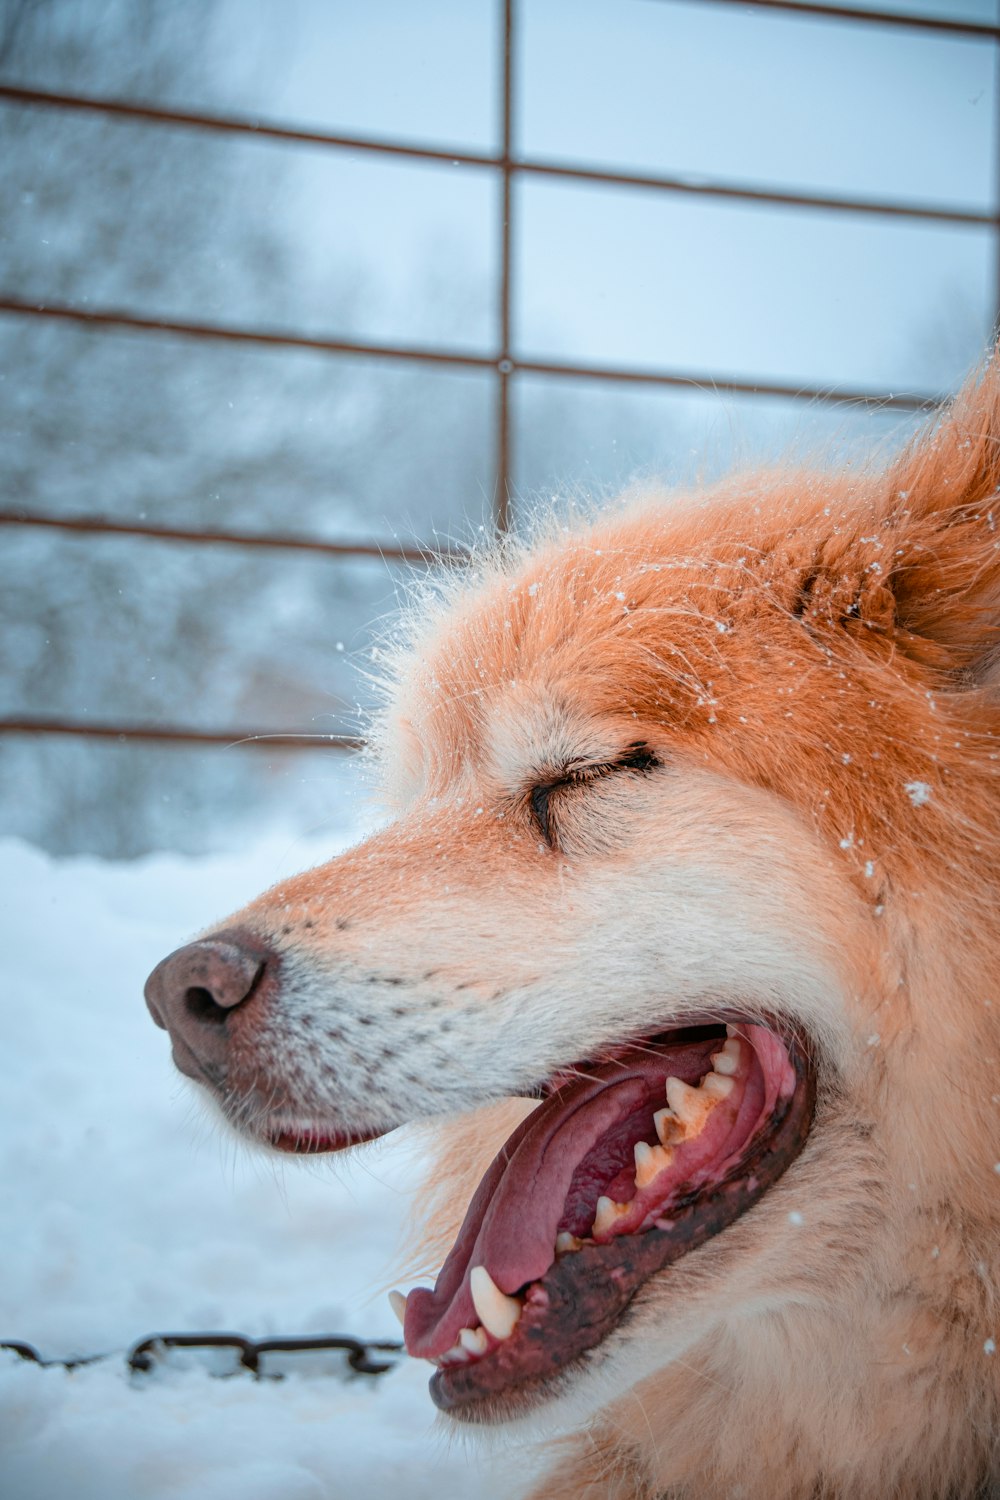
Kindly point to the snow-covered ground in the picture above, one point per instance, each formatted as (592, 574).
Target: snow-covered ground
(126, 1213)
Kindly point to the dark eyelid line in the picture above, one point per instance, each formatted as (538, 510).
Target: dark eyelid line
(635, 757)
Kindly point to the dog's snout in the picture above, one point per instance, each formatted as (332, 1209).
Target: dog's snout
(196, 988)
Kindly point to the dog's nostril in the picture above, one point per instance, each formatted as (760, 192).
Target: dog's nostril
(193, 990)
(202, 1006)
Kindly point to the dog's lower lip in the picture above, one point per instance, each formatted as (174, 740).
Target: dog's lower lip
(308, 1142)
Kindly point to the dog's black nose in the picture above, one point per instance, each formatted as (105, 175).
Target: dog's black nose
(196, 988)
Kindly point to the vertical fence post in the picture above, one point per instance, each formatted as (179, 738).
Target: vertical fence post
(501, 498)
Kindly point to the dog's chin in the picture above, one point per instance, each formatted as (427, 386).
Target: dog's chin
(638, 1347)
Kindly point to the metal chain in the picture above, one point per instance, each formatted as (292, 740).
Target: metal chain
(362, 1354)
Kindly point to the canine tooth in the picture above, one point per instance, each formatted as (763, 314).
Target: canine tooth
(717, 1087)
(497, 1312)
(566, 1242)
(473, 1339)
(650, 1161)
(398, 1304)
(608, 1212)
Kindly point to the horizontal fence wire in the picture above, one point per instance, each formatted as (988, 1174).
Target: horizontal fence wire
(257, 739)
(387, 552)
(501, 364)
(937, 25)
(526, 166)
(707, 383)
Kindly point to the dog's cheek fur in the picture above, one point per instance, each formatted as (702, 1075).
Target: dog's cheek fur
(450, 959)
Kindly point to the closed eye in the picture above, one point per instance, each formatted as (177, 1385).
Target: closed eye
(636, 758)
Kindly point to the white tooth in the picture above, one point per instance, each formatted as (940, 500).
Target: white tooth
(473, 1339)
(650, 1161)
(668, 1127)
(398, 1304)
(566, 1242)
(642, 1153)
(497, 1312)
(728, 1059)
(456, 1355)
(608, 1212)
(717, 1087)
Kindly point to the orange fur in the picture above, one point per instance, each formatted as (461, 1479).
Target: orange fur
(816, 659)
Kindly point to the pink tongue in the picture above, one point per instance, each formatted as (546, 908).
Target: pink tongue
(512, 1221)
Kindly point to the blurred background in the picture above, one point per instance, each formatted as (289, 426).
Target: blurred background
(291, 290)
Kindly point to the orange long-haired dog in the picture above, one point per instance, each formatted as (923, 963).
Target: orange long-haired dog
(687, 928)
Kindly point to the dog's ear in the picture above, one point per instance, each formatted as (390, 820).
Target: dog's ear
(942, 506)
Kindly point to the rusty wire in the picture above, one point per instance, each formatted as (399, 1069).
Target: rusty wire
(501, 364)
(526, 166)
(504, 365)
(850, 12)
(258, 739)
(380, 551)
(942, 25)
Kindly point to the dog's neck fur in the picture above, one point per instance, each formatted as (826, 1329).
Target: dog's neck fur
(763, 1416)
(785, 1403)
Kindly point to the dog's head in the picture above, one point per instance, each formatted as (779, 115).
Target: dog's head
(696, 826)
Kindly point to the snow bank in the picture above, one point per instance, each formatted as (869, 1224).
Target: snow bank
(127, 1213)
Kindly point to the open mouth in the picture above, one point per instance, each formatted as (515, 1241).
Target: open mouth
(625, 1167)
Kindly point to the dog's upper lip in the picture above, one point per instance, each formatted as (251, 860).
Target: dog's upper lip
(186, 1063)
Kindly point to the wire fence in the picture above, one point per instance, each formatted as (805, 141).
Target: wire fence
(502, 361)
